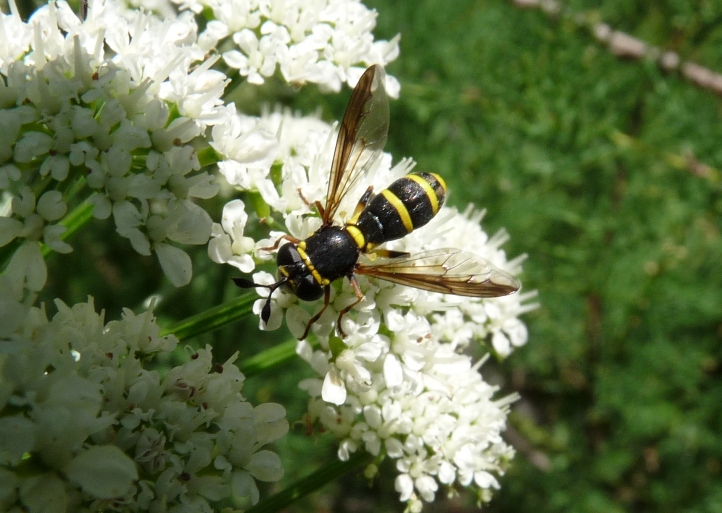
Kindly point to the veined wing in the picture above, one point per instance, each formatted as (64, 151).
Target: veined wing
(449, 271)
(361, 137)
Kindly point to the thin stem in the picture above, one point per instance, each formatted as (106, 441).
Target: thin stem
(310, 483)
(208, 156)
(213, 318)
(221, 315)
(270, 358)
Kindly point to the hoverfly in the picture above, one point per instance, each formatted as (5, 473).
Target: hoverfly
(307, 267)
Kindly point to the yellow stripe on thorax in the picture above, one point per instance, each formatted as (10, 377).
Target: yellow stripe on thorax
(400, 208)
(358, 237)
(430, 192)
(316, 276)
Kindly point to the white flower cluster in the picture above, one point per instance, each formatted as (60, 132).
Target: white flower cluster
(418, 402)
(325, 42)
(86, 427)
(109, 105)
(397, 384)
(299, 177)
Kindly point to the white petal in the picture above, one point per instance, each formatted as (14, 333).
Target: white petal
(138, 240)
(234, 217)
(346, 448)
(102, 207)
(372, 415)
(175, 262)
(393, 373)
(485, 480)
(501, 343)
(102, 471)
(190, 225)
(18, 437)
(51, 206)
(9, 229)
(32, 145)
(516, 330)
(24, 204)
(394, 448)
(334, 390)
(427, 486)
(51, 237)
(243, 263)
(405, 486)
(27, 267)
(447, 474)
(210, 487)
(235, 59)
(219, 248)
(44, 493)
(265, 466)
(243, 486)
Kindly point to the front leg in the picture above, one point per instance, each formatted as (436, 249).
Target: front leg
(278, 243)
(317, 204)
(359, 297)
(326, 301)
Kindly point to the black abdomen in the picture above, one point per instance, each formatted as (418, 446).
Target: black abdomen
(408, 203)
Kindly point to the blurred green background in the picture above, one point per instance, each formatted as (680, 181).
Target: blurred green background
(596, 165)
(588, 160)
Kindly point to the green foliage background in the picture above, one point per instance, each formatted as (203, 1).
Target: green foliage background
(584, 158)
(570, 148)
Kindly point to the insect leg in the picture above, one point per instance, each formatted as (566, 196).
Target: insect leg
(326, 301)
(367, 196)
(317, 204)
(278, 243)
(359, 297)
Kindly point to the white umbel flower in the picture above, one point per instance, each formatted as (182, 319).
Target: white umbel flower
(304, 151)
(397, 385)
(326, 42)
(106, 110)
(430, 411)
(84, 423)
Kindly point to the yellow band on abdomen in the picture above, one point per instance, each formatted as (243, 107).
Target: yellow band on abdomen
(430, 192)
(400, 208)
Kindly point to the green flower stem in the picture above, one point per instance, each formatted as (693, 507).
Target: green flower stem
(310, 483)
(270, 358)
(229, 312)
(213, 318)
(208, 156)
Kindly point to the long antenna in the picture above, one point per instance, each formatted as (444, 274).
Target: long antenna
(248, 284)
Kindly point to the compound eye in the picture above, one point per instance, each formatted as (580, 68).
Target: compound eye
(287, 255)
(307, 289)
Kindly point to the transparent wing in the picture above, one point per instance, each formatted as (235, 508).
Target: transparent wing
(449, 271)
(361, 137)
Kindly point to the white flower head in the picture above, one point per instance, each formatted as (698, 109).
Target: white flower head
(421, 404)
(397, 383)
(328, 42)
(298, 179)
(103, 430)
(116, 101)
